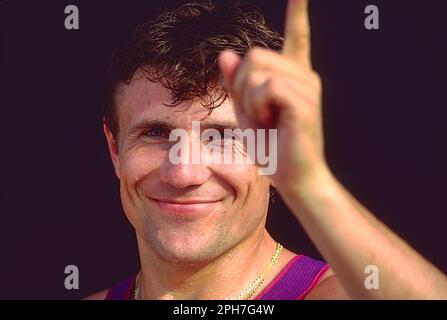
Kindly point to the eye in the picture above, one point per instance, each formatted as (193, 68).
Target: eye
(157, 132)
(218, 136)
(227, 135)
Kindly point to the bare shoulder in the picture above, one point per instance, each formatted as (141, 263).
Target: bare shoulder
(328, 288)
(101, 295)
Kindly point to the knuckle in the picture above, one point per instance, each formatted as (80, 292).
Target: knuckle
(315, 79)
(314, 75)
(255, 79)
(255, 55)
(273, 85)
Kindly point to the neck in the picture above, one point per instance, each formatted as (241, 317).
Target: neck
(222, 278)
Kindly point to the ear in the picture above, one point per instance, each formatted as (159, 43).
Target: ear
(272, 183)
(113, 148)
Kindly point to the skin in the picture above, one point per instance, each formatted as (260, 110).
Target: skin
(216, 246)
(215, 255)
(346, 233)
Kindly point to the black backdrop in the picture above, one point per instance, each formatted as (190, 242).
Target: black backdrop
(384, 104)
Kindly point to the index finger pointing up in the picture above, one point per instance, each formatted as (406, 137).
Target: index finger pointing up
(297, 32)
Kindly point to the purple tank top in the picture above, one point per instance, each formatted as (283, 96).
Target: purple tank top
(294, 282)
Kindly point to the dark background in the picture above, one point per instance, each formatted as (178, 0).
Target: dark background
(384, 104)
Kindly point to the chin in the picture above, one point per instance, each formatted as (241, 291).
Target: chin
(187, 249)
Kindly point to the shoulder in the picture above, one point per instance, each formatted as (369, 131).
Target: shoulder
(328, 288)
(101, 295)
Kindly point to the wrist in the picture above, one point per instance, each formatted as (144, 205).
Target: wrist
(316, 184)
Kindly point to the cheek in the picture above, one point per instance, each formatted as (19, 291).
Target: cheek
(137, 164)
(240, 177)
(249, 207)
(252, 189)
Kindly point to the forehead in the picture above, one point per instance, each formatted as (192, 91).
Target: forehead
(144, 99)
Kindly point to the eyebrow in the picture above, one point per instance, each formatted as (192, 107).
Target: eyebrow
(220, 125)
(146, 123)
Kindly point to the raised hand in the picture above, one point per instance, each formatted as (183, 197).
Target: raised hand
(280, 90)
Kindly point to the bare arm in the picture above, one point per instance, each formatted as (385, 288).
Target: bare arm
(351, 238)
(347, 234)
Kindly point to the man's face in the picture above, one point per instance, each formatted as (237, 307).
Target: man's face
(183, 212)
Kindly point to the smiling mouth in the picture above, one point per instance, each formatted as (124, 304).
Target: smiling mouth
(186, 207)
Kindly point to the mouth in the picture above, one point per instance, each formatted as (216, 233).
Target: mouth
(186, 207)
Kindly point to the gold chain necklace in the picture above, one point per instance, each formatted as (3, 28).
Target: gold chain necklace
(248, 292)
(137, 291)
(253, 287)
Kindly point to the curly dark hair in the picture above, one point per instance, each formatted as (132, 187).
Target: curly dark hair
(179, 49)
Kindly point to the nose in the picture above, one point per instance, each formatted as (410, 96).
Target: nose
(184, 175)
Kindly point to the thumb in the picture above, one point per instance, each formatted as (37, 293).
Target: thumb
(229, 63)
